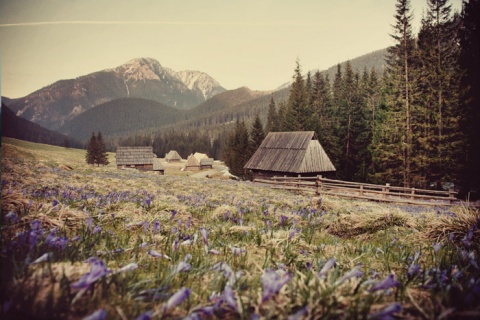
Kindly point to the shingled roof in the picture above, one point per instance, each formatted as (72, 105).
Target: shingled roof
(290, 152)
(173, 156)
(134, 156)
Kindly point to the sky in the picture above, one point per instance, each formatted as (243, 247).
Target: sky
(253, 43)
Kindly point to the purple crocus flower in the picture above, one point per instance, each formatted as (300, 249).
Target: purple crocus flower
(128, 267)
(413, 270)
(97, 229)
(387, 283)
(45, 257)
(237, 251)
(229, 297)
(387, 312)
(89, 223)
(156, 254)
(213, 251)
(182, 267)
(156, 226)
(55, 203)
(189, 221)
(328, 265)
(293, 232)
(100, 314)
(176, 299)
(174, 212)
(204, 234)
(147, 315)
(97, 271)
(272, 283)
(355, 272)
(11, 217)
(146, 225)
(300, 314)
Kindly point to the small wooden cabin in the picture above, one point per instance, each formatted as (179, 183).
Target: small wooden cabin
(140, 158)
(173, 156)
(193, 164)
(289, 154)
(206, 163)
(158, 167)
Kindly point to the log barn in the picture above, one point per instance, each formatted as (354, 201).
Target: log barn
(290, 154)
(140, 158)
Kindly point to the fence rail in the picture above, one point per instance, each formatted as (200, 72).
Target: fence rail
(384, 193)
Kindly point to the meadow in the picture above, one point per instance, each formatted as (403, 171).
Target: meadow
(101, 243)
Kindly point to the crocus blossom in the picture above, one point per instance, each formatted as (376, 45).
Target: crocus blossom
(128, 267)
(327, 266)
(147, 315)
(204, 234)
(45, 257)
(177, 298)
(387, 312)
(272, 283)
(387, 283)
(156, 254)
(229, 297)
(354, 273)
(182, 267)
(97, 271)
(100, 314)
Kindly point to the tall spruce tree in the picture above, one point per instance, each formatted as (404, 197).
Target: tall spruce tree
(273, 121)
(298, 113)
(237, 150)
(257, 134)
(101, 156)
(392, 151)
(91, 150)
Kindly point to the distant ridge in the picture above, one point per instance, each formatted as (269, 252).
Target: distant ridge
(375, 59)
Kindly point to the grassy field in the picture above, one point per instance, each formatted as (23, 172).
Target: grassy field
(80, 241)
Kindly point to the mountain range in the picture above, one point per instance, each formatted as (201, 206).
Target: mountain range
(146, 78)
(142, 96)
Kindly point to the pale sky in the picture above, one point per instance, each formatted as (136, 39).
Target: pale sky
(252, 43)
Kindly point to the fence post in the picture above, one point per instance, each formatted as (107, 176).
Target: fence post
(285, 182)
(361, 190)
(298, 181)
(386, 190)
(451, 195)
(412, 194)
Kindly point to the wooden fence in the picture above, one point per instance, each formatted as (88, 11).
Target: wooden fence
(384, 193)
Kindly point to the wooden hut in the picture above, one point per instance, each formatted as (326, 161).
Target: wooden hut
(192, 164)
(140, 158)
(158, 167)
(206, 163)
(199, 156)
(173, 156)
(289, 154)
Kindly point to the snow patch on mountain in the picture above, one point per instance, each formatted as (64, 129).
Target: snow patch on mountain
(199, 81)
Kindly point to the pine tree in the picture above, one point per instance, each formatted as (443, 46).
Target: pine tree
(101, 156)
(273, 123)
(256, 134)
(91, 149)
(237, 149)
(297, 114)
(393, 141)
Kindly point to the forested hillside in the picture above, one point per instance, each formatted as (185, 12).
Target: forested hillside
(121, 116)
(19, 128)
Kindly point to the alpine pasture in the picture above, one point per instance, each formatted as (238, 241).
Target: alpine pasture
(81, 241)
